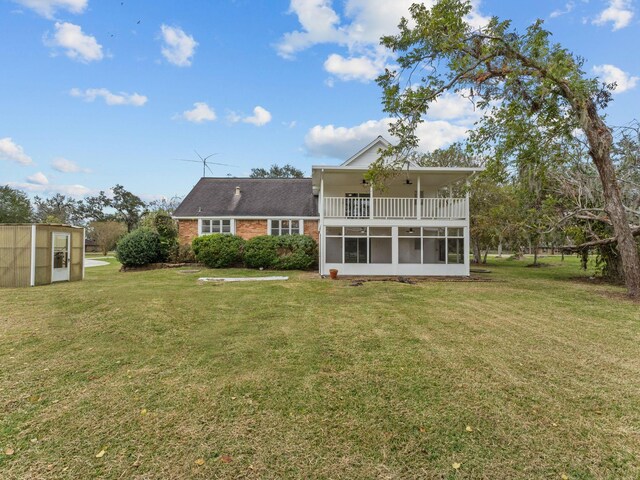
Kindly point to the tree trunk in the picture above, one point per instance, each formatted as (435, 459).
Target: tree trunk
(476, 252)
(535, 255)
(484, 260)
(600, 141)
(500, 248)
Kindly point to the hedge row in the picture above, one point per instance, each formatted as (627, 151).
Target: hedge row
(286, 252)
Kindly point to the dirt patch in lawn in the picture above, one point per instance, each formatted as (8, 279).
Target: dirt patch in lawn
(359, 280)
(156, 266)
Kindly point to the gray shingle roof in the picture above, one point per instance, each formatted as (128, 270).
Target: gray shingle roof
(260, 197)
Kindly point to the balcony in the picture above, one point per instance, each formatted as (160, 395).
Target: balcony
(395, 208)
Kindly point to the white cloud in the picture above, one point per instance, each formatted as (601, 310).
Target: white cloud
(568, 8)
(342, 142)
(201, 112)
(178, 47)
(454, 106)
(618, 12)
(48, 8)
(38, 178)
(319, 24)
(11, 151)
(77, 45)
(121, 98)
(67, 166)
(359, 32)
(611, 74)
(260, 117)
(475, 18)
(72, 190)
(354, 68)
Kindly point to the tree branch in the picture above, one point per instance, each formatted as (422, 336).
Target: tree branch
(597, 243)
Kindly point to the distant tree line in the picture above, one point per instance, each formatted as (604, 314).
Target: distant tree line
(275, 171)
(120, 206)
(106, 216)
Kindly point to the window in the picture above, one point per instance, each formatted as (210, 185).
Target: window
(380, 245)
(409, 245)
(455, 245)
(333, 251)
(211, 225)
(358, 244)
(285, 227)
(434, 245)
(355, 250)
(430, 245)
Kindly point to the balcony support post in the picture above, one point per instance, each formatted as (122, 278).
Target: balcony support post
(371, 215)
(418, 200)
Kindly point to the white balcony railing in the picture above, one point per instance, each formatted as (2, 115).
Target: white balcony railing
(395, 208)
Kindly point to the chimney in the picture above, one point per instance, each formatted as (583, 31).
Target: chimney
(237, 191)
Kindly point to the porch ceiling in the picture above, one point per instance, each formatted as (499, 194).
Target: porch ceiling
(437, 177)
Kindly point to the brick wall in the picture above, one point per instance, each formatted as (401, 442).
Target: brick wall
(251, 228)
(187, 231)
(311, 229)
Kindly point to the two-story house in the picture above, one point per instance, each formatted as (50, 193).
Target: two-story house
(409, 228)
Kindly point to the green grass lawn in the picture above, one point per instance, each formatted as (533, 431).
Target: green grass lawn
(314, 378)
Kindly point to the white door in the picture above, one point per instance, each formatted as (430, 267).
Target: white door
(61, 257)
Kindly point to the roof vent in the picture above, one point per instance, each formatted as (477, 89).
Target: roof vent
(237, 190)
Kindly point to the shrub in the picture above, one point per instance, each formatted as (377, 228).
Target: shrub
(139, 247)
(182, 254)
(218, 250)
(286, 252)
(161, 222)
(261, 252)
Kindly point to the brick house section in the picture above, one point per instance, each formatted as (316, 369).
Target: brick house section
(311, 229)
(187, 231)
(248, 229)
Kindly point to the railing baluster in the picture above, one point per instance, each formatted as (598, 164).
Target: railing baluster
(395, 208)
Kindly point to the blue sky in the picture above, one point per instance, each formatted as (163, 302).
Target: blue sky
(99, 92)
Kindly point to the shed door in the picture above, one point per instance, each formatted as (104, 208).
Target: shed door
(61, 259)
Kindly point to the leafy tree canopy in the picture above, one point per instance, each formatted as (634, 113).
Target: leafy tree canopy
(58, 209)
(15, 206)
(287, 171)
(532, 93)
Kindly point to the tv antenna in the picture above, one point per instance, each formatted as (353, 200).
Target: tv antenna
(205, 163)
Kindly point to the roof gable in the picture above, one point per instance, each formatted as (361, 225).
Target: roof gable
(368, 154)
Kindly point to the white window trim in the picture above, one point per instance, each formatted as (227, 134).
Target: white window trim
(232, 224)
(280, 219)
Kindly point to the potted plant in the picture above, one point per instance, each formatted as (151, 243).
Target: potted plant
(333, 273)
